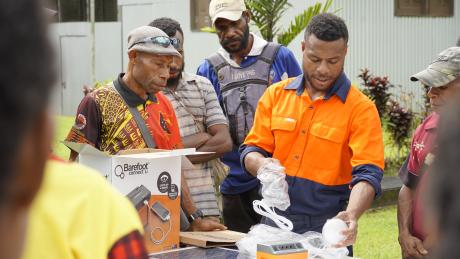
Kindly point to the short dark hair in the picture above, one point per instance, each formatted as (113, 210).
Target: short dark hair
(168, 25)
(444, 179)
(327, 27)
(27, 75)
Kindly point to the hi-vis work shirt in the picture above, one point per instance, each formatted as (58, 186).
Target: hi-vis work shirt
(327, 145)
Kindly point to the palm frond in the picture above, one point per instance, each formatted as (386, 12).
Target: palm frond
(301, 21)
(266, 15)
(208, 29)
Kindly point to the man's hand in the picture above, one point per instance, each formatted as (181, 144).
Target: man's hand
(352, 231)
(87, 90)
(206, 224)
(254, 161)
(411, 247)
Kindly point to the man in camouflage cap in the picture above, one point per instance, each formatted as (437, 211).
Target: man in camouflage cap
(442, 77)
(442, 71)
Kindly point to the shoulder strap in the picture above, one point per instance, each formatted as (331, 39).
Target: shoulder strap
(197, 122)
(269, 53)
(146, 135)
(217, 62)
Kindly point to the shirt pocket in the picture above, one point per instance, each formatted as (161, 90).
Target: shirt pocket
(328, 133)
(283, 124)
(283, 130)
(325, 146)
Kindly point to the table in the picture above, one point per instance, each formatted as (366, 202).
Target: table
(197, 253)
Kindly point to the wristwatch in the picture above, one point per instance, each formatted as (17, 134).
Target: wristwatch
(194, 216)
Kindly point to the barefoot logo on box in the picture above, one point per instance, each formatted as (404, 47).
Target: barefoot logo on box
(121, 171)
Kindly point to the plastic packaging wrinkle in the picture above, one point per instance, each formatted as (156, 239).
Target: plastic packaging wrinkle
(274, 185)
(274, 194)
(312, 241)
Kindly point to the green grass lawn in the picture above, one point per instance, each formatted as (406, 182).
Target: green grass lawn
(377, 234)
(62, 127)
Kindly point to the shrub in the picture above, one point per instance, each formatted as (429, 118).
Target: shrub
(376, 88)
(399, 122)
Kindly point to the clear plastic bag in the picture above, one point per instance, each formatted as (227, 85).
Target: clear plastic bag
(262, 233)
(274, 194)
(312, 241)
(274, 185)
(319, 249)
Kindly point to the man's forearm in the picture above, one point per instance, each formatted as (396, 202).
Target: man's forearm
(195, 140)
(187, 203)
(219, 142)
(361, 198)
(405, 199)
(253, 161)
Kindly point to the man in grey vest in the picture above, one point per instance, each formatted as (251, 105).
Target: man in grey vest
(240, 72)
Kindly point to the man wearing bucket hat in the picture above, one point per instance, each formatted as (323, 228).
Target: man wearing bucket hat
(442, 77)
(240, 72)
(132, 113)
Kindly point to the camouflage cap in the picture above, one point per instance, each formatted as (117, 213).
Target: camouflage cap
(443, 70)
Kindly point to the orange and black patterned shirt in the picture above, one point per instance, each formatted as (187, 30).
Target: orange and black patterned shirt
(104, 120)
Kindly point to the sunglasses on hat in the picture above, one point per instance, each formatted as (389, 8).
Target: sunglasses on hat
(159, 40)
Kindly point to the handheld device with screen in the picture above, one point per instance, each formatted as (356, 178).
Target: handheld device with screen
(138, 196)
(160, 211)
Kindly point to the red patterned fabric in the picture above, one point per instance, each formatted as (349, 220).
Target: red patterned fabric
(130, 246)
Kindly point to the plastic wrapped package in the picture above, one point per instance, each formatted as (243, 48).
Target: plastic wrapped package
(262, 233)
(312, 241)
(274, 194)
(319, 249)
(274, 185)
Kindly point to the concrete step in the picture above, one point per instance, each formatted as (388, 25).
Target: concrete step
(390, 190)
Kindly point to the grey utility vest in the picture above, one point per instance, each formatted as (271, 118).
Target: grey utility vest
(241, 89)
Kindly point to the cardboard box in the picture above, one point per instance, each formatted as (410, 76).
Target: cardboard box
(211, 238)
(156, 172)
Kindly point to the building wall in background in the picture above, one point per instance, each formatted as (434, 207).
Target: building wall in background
(388, 45)
(380, 41)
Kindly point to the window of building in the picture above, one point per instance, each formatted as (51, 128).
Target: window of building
(106, 10)
(78, 10)
(432, 8)
(199, 14)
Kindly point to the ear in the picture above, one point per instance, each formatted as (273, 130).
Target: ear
(132, 54)
(247, 16)
(302, 45)
(33, 151)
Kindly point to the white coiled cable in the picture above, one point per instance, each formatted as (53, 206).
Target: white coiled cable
(163, 234)
(263, 209)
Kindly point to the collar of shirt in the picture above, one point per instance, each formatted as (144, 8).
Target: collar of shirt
(130, 97)
(258, 46)
(432, 122)
(341, 87)
(186, 79)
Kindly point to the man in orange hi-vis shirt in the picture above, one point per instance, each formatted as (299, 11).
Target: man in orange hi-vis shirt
(324, 131)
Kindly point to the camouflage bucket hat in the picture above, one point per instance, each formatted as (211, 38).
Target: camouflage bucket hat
(443, 70)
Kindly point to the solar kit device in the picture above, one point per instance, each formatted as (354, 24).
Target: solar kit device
(287, 250)
(139, 195)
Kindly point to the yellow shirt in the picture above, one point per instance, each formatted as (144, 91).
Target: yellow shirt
(77, 214)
